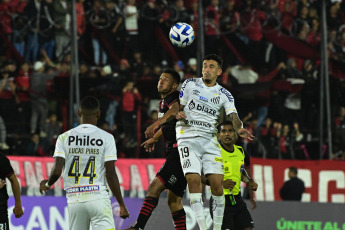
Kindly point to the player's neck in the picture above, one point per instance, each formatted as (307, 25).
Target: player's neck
(209, 84)
(229, 148)
(163, 95)
(88, 122)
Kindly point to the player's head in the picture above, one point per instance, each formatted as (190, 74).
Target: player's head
(226, 133)
(89, 110)
(211, 68)
(168, 81)
(292, 172)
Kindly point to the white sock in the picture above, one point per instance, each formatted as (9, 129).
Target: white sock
(218, 211)
(198, 209)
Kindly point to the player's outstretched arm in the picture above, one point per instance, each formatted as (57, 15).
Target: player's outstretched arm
(149, 144)
(168, 116)
(55, 174)
(238, 125)
(18, 209)
(114, 185)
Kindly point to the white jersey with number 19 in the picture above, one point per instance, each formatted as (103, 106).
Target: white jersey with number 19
(202, 105)
(85, 149)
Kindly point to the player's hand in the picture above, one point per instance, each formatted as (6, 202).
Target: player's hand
(244, 133)
(150, 131)
(180, 116)
(2, 183)
(252, 185)
(18, 211)
(149, 145)
(229, 184)
(43, 187)
(253, 203)
(124, 212)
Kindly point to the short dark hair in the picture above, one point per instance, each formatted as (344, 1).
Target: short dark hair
(174, 74)
(226, 122)
(293, 169)
(214, 57)
(89, 103)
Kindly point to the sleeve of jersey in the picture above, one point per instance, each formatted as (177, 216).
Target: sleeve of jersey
(6, 169)
(229, 102)
(59, 146)
(110, 149)
(184, 92)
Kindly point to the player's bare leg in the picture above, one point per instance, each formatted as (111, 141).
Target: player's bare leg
(177, 211)
(195, 190)
(216, 183)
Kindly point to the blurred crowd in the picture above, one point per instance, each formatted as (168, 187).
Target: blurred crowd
(271, 52)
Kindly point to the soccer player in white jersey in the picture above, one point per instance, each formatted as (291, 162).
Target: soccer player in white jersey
(201, 100)
(88, 155)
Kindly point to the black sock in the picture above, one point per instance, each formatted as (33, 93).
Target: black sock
(146, 210)
(179, 218)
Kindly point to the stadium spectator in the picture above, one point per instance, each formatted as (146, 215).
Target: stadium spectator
(6, 171)
(22, 82)
(62, 9)
(46, 36)
(292, 189)
(130, 98)
(32, 13)
(34, 147)
(131, 15)
(38, 98)
(212, 30)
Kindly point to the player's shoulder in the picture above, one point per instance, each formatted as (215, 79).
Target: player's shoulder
(223, 92)
(240, 148)
(188, 81)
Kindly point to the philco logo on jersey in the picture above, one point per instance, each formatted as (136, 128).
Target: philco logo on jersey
(84, 141)
(203, 99)
(191, 105)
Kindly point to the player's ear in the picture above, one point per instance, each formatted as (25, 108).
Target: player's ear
(79, 113)
(219, 72)
(98, 114)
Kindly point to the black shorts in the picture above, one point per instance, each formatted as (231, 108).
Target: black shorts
(4, 224)
(171, 174)
(236, 217)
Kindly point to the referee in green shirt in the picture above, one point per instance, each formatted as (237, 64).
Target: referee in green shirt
(236, 214)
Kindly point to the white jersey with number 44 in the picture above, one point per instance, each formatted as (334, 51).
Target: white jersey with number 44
(85, 149)
(202, 105)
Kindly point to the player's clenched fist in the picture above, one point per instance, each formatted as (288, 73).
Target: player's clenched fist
(123, 212)
(181, 116)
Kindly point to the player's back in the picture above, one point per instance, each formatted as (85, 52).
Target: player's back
(85, 149)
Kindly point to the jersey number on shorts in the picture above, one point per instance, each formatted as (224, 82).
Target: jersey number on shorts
(184, 152)
(89, 171)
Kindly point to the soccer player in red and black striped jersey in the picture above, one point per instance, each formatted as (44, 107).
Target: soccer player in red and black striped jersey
(6, 171)
(170, 176)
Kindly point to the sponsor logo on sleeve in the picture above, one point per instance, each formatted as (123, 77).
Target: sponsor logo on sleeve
(227, 94)
(181, 93)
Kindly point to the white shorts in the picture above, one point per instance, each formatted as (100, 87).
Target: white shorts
(98, 213)
(198, 153)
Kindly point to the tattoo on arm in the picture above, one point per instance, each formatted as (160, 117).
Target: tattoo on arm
(237, 123)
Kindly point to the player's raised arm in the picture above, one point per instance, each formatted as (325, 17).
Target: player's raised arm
(238, 125)
(114, 185)
(168, 116)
